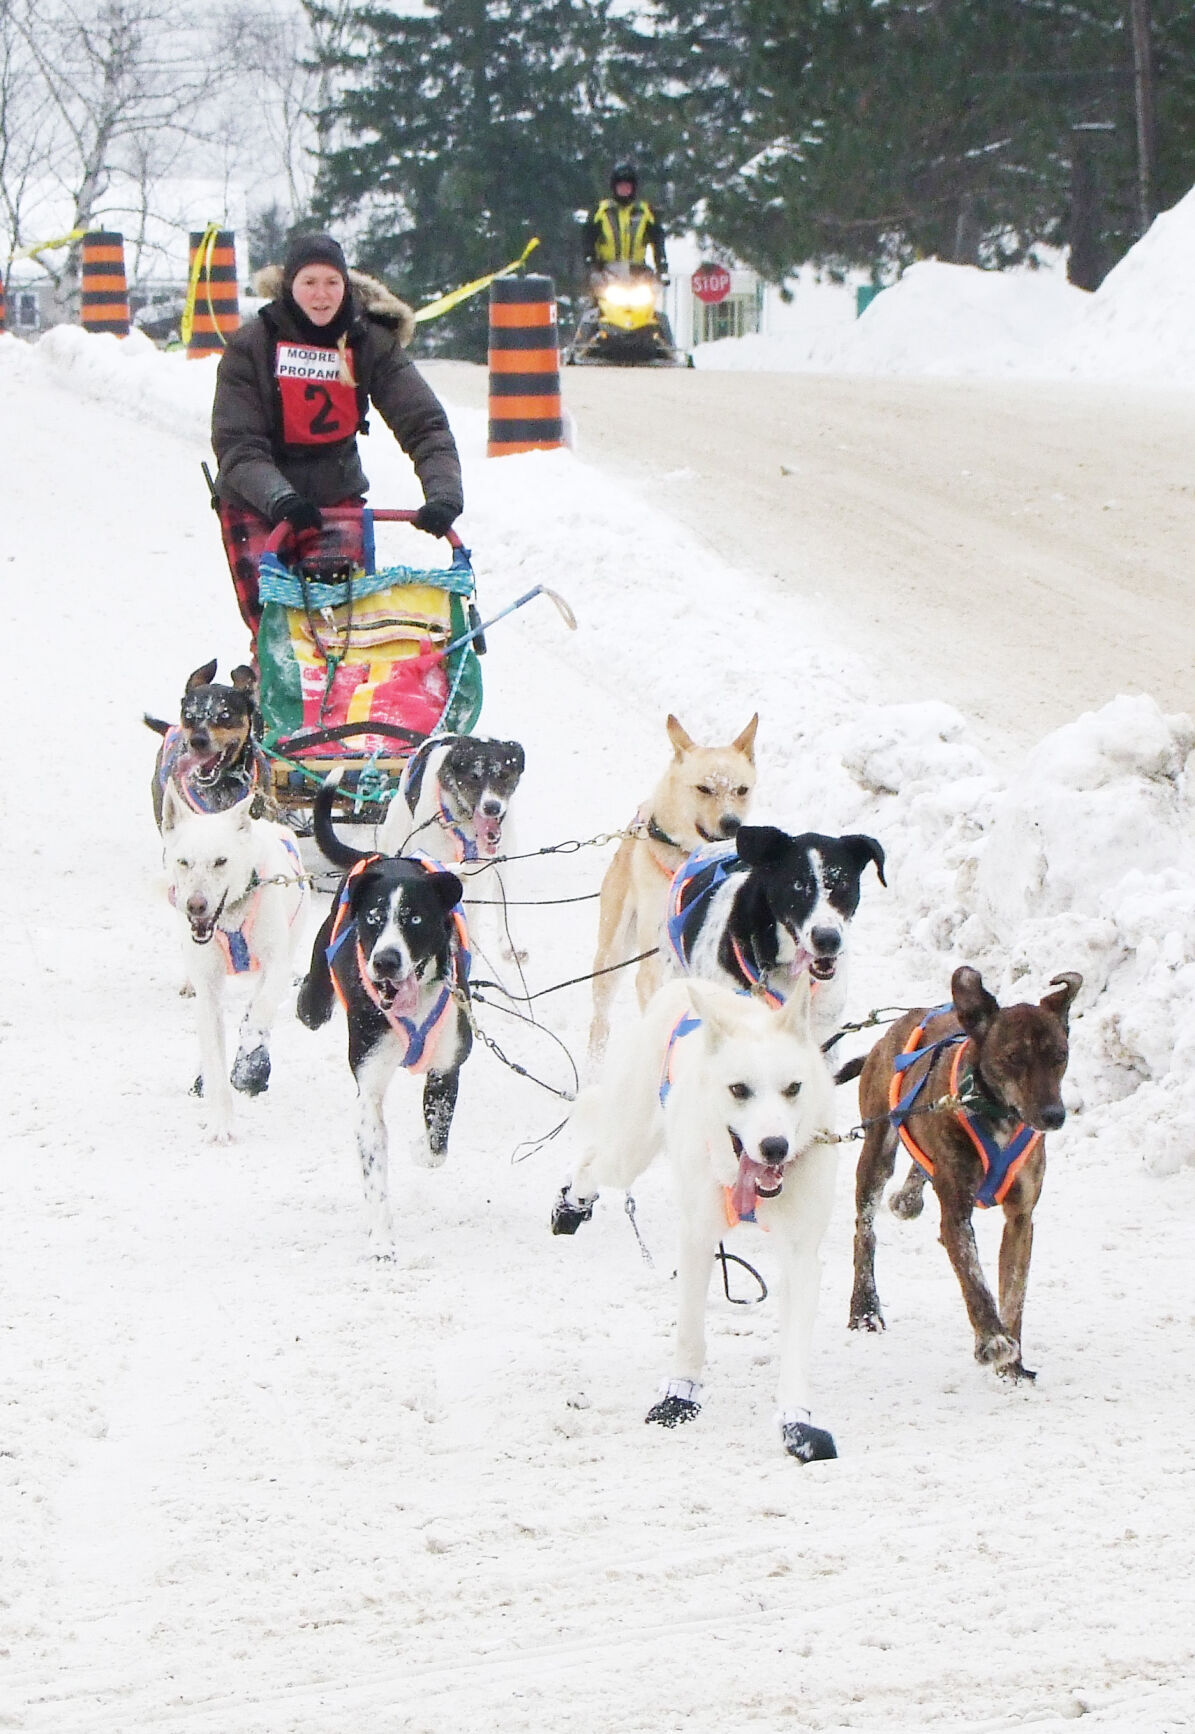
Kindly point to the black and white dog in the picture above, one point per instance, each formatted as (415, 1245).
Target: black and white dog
(453, 802)
(761, 912)
(394, 951)
(454, 797)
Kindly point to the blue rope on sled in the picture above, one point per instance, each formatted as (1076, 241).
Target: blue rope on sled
(276, 583)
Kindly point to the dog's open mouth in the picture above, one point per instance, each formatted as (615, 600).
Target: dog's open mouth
(755, 1180)
(488, 831)
(399, 995)
(823, 968)
(203, 928)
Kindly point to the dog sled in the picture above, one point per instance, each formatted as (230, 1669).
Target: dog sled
(360, 663)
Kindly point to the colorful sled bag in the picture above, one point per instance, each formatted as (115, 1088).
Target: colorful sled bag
(365, 646)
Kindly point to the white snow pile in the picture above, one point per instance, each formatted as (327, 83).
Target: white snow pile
(1085, 860)
(957, 321)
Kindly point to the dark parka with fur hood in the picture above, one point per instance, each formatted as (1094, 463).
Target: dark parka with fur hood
(257, 470)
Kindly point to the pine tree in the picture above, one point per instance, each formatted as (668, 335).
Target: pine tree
(466, 129)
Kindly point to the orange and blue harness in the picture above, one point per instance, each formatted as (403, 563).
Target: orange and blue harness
(1001, 1162)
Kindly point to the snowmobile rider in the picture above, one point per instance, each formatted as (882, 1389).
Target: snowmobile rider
(623, 228)
(292, 391)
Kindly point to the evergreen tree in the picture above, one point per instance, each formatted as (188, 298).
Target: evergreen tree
(466, 129)
(880, 131)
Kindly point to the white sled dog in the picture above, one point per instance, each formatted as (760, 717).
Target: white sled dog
(738, 1093)
(238, 888)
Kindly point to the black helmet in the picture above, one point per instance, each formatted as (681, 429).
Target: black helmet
(624, 172)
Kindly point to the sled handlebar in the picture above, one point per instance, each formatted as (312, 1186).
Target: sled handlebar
(283, 533)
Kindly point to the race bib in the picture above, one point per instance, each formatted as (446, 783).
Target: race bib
(317, 407)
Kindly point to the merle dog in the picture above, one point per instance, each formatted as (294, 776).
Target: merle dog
(394, 951)
(211, 753)
(762, 912)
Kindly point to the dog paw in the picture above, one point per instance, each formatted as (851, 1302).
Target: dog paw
(866, 1319)
(670, 1411)
(997, 1351)
(424, 1156)
(567, 1217)
(907, 1205)
(1016, 1374)
(807, 1443)
(251, 1072)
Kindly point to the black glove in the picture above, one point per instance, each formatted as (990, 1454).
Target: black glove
(299, 513)
(436, 517)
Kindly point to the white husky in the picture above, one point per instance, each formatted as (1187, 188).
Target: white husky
(740, 1097)
(238, 886)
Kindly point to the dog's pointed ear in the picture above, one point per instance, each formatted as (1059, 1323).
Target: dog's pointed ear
(518, 755)
(708, 1003)
(762, 845)
(174, 807)
(243, 812)
(244, 678)
(682, 740)
(202, 676)
(863, 849)
(975, 1006)
(448, 889)
(796, 1014)
(745, 743)
(1068, 985)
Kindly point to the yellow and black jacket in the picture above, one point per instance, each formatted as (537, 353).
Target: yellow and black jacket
(619, 232)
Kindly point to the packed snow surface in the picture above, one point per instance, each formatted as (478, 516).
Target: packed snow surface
(254, 1483)
(957, 321)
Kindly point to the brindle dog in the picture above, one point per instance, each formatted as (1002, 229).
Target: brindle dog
(1017, 1056)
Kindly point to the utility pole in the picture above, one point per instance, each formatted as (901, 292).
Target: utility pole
(1143, 84)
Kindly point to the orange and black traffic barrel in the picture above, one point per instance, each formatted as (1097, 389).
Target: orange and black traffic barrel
(104, 301)
(525, 408)
(214, 305)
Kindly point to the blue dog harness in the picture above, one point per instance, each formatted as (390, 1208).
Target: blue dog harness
(1001, 1163)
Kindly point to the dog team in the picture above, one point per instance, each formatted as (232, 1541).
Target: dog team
(740, 933)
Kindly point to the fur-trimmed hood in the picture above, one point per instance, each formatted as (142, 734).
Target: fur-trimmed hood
(370, 294)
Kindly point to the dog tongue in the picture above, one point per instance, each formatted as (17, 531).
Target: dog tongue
(751, 1175)
(406, 996)
(488, 832)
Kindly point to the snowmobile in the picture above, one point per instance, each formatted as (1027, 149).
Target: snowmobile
(626, 325)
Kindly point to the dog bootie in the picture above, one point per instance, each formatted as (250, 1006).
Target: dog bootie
(804, 1441)
(251, 1072)
(678, 1404)
(568, 1214)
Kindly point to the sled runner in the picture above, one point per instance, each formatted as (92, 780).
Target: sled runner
(359, 663)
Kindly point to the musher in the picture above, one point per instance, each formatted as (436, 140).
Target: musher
(292, 391)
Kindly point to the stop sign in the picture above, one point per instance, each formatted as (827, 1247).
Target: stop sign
(711, 283)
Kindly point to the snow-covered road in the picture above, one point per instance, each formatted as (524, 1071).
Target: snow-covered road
(251, 1484)
(1022, 550)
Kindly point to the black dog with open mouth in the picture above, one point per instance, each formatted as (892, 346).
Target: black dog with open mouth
(394, 951)
(211, 753)
(759, 914)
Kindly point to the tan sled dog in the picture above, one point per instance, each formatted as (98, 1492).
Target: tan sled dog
(702, 798)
